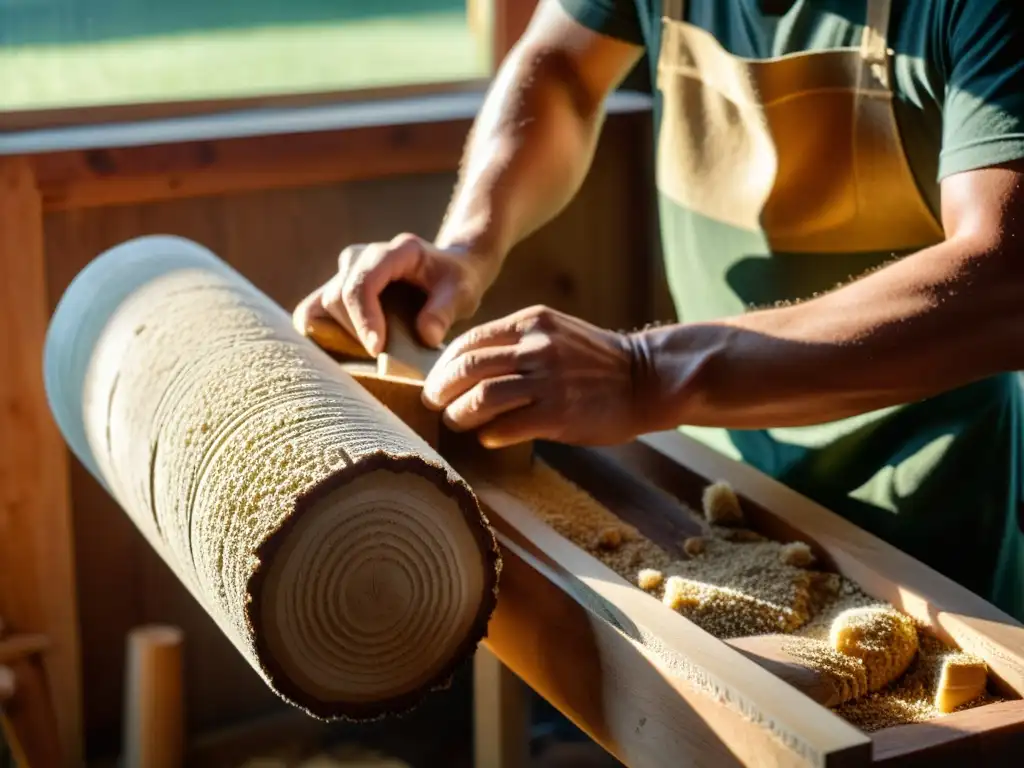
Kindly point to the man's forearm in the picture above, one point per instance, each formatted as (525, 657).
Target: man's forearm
(527, 155)
(933, 321)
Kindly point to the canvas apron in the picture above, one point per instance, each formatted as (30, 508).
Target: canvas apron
(784, 177)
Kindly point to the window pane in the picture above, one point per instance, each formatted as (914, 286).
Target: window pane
(59, 53)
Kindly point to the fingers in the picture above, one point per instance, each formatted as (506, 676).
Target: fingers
(495, 333)
(450, 380)
(534, 422)
(309, 310)
(438, 313)
(352, 296)
(488, 400)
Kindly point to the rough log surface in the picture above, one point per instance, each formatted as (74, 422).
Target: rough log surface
(344, 558)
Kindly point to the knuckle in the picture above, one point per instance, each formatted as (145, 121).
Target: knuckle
(348, 257)
(538, 318)
(355, 288)
(467, 365)
(404, 240)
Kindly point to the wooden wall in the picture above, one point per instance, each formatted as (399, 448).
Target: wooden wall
(594, 261)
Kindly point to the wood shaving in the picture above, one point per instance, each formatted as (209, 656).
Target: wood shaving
(742, 584)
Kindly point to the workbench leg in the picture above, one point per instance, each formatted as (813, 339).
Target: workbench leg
(500, 714)
(37, 592)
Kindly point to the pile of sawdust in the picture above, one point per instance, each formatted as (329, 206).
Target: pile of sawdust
(739, 584)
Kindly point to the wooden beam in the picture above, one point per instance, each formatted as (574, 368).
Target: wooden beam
(37, 589)
(140, 174)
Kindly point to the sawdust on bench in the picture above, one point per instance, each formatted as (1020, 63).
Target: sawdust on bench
(741, 584)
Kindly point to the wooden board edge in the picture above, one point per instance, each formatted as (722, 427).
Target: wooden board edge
(991, 735)
(725, 690)
(883, 571)
(35, 506)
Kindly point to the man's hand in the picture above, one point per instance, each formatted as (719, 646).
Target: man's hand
(453, 279)
(537, 374)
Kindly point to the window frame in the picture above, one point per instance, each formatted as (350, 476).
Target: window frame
(507, 21)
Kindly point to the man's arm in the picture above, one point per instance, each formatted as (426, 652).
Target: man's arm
(533, 141)
(933, 321)
(528, 153)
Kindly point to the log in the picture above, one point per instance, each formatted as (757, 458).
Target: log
(154, 713)
(344, 558)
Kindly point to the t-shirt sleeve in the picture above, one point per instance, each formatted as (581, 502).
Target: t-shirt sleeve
(614, 18)
(983, 107)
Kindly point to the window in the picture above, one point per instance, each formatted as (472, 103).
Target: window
(59, 54)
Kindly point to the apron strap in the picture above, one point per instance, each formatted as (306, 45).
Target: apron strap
(673, 9)
(874, 47)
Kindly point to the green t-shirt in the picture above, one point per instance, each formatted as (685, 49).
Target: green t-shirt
(942, 479)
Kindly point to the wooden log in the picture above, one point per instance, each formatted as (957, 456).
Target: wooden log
(154, 713)
(37, 586)
(342, 555)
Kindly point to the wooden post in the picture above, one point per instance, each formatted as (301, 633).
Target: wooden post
(500, 716)
(37, 587)
(154, 722)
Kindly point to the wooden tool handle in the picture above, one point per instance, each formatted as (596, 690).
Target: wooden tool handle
(404, 353)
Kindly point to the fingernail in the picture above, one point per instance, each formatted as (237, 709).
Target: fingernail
(371, 341)
(433, 331)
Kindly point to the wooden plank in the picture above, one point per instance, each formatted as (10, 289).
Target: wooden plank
(500, 714)
(37, 587)
(956, 615)
(103, 177)
(644, 682)
(984, 736)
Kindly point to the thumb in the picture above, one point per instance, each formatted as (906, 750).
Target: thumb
(438, 313)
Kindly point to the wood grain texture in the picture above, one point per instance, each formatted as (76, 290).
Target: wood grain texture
(992, 735)
(37, 564)
(104, 177)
